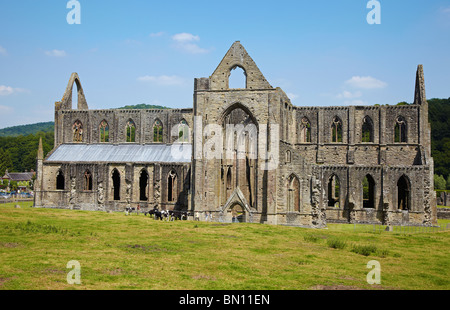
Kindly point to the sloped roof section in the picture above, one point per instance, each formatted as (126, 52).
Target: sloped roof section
(122, 153)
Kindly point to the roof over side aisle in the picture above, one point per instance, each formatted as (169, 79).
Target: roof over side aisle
(122, 153)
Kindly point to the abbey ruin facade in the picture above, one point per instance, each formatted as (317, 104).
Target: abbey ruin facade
(246, 153)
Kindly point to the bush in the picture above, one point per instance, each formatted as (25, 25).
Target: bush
(365, 250)
(439, 182)
(311, 238)
(336, 243)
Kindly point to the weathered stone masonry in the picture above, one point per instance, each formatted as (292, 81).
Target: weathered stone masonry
(355, 164)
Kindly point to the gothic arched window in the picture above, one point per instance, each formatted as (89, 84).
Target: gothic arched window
(104, 131)
(157, 131)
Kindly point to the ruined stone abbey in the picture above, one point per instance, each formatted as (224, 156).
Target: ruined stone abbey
(247, 154)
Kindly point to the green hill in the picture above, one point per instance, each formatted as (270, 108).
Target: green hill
(24, 130)
(143, 106)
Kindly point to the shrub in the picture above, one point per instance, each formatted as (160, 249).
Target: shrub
(365, 250)
(311, 238)
(336, 243)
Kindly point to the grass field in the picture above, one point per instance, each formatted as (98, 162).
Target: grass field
(135, 252)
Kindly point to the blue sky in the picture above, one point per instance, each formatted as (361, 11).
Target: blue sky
(321, 53)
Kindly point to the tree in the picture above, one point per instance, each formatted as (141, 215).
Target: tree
(5, 162)
(448, 182)
(439, 182)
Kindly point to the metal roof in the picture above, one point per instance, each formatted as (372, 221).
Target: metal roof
(121, 153)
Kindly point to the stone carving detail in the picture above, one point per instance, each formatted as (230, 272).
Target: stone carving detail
(77, 131)
(351, 212)
(73, 190)
(386, 220)
(128, 193)
(318, 212)
(101, 195)
(427, 202)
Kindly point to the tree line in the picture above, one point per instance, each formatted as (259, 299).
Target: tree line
(18, 154)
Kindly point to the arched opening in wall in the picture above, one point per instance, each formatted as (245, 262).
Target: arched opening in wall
(75, 88)
(334, 189)
(240, 147)
(288, 156)
(237, 214)
(131, 131)
(400, 133)
(367, 130)
(77, 130)
(368, 192)
(172, 186)
(336, 130)
(104, 131)
(143, 185)
(87, 186)
(229, 180)
(305, 131)
(183, 132)
(116, 184)
(404, 193)
(60, 181)
(238, 78)
(293, 194)
(157, 131)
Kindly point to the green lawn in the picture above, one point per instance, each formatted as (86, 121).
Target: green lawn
(135, 252)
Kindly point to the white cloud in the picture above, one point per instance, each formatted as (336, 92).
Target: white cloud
(184, 41)
(185, 37)
(356, 102)
(8, 90)
(366, 82)
(157, 34)
(3, 50)
(55, 53)
(164, 80)
(349, 95)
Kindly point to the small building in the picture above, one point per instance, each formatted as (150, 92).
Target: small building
(24, 179)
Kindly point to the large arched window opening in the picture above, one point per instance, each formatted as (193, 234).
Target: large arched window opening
(336, 130)
(116, 184)
(60, 181)
(104, 131)
(172, 187)
(400, 134)
(77, 130)
(404, 193)
(293, 194)
(87, 186)
(131, 131)
(367, 130)
(143, 186)
(158, 131)
(305, 131)
(238, 78)
(240, 149)
(334, 189)
(368, 192)
(183, 132)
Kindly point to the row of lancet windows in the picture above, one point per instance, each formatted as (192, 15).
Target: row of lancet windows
(367, 130)
(172, 184)
(368, 187)
(334, 189)
(183, 131)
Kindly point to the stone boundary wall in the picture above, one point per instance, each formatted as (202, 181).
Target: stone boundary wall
(443, 213)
